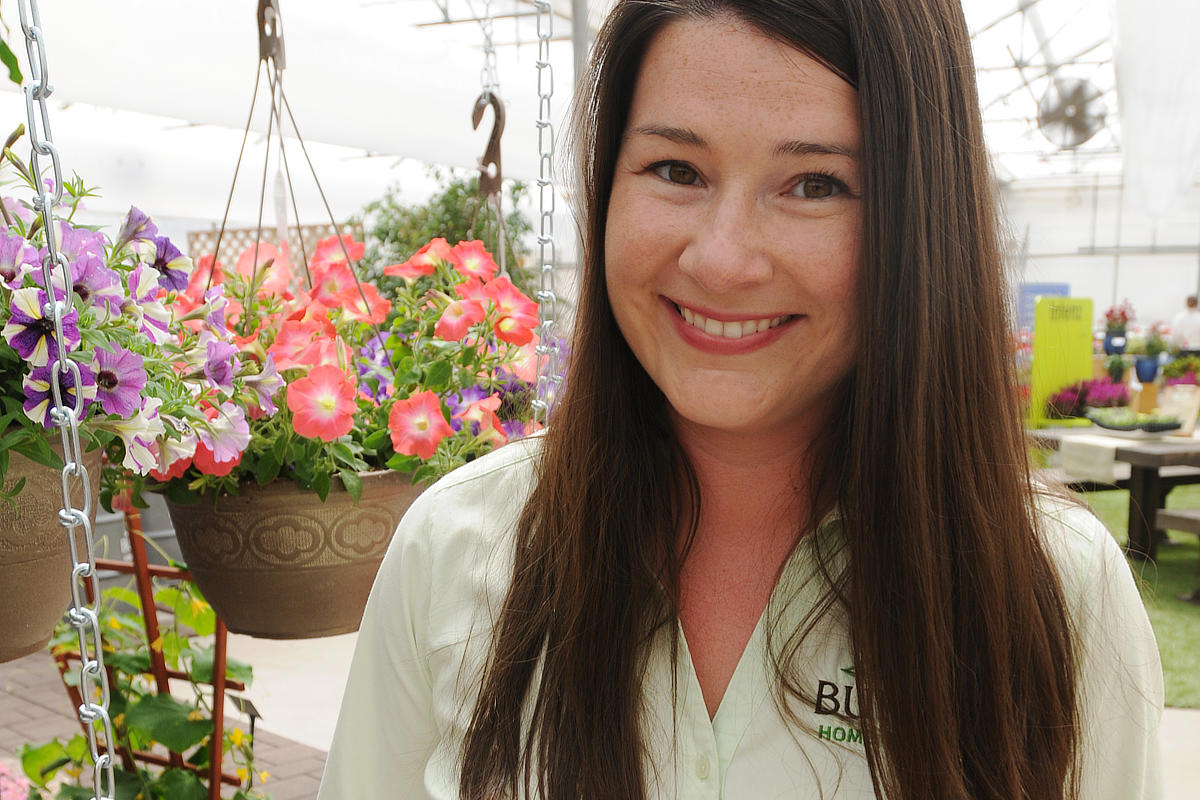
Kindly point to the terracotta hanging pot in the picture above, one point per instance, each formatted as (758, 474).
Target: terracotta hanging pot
(277, 563)
(35, 556)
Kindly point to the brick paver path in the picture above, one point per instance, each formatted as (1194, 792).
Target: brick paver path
(35, 708)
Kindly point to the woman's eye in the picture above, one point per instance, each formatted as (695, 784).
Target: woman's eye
(676, 172)
(817, 187)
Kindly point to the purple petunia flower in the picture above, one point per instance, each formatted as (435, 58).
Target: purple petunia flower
(172, 265)
(120, 378)
(96, 284)
(215, 301)
(514, 429)
(16, 209)
(266, 384)
(74, 242)
(372, 363)
(460, 402)
(31, 333)
(218, 365)
(137, 225)
(227, 433)
(17, 258)
(154, 319)
(39, 395)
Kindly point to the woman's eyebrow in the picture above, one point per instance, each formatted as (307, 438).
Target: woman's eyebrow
(795, 147)
(792, 147)
(677, 135)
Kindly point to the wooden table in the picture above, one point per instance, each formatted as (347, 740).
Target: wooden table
(1146, 460)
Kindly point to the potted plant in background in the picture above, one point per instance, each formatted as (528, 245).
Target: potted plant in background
(114, 332)
(1116, 322)
(1116, 366)
(1149, 353)
(352, 401)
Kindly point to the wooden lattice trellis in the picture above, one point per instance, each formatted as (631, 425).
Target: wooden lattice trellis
(235, 240)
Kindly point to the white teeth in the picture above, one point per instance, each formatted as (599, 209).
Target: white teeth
(728, 330)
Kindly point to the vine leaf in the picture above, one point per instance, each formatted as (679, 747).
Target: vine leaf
(168, 721)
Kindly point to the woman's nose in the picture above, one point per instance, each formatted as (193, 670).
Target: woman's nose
(726, 250)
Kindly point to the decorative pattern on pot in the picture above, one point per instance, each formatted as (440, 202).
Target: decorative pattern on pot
(277, 563)
(35, 555)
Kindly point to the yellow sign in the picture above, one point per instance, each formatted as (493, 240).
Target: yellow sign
(1062, 350)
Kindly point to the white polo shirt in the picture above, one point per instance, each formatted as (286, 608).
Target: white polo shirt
(424, 640)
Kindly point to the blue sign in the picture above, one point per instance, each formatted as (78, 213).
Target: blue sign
(1027, 295)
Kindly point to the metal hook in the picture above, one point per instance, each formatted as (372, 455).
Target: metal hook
(270, 36)
(489, 179)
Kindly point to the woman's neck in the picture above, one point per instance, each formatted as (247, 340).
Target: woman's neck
(758, 482)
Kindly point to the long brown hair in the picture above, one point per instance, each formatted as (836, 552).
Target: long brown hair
(957, 619)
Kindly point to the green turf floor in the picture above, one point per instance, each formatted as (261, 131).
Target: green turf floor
(1176, 623)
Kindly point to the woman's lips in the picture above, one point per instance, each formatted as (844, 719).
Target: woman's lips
(728, 336)
(734, 329)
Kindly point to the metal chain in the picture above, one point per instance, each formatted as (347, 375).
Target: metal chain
(549, 377)
(487, 75)
(93, 679)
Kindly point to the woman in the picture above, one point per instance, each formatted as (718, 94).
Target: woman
(780, 540)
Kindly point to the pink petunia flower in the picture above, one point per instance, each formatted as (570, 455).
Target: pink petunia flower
(331, 251)
(510, 301)
(417, 425)
(424, 261)
(322, 403)
(481, 416)
(457, 319)
(516, 330)
(278, 272)
(473, 259)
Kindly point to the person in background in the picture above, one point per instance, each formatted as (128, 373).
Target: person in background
(1185, 328)
(780, 539)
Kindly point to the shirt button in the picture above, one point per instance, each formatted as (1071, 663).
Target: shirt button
(702, 769)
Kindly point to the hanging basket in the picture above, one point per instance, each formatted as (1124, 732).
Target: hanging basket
(277, 563)
(35, 555)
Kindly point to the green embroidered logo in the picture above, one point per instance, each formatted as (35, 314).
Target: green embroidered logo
(833, 698)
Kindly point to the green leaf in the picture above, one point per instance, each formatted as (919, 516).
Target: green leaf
(10, 60)
(182, 784)
(124, 595)
(426, 472)
(352, 482)
(165, 719)
(40, 763)
(201, 756)
(402, 463)
(202, 667)
(342, 452)
(267, 468)
(437, 377)
(38, 450)
(377, 439)
(129, 787)
(279, 448)
(78, 749)
(320, 485)
(196, 613)
(129, 663)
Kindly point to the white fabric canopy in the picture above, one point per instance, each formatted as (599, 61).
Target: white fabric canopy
(359, 75)
(1158, 82)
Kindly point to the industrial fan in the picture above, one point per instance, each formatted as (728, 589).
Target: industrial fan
(1071, 112)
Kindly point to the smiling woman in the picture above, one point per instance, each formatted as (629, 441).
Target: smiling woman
(776, 541)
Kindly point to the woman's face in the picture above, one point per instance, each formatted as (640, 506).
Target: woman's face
(732, 240)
